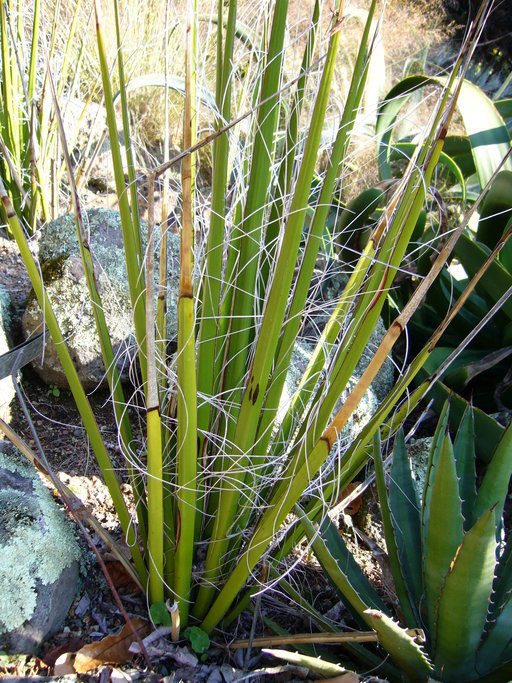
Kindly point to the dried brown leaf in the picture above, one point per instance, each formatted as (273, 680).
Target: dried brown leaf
(71, 645)
(111, 649)
(344, 678)
(64, 664)
(120, 577)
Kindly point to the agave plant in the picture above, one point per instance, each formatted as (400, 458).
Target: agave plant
(223, 465)
(450, 564)
(483, 368)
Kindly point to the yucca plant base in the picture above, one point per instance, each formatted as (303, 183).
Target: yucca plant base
(225, 468)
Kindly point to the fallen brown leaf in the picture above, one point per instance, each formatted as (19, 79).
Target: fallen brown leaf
(111, 649)
(353, 507)
(120, 577)
(64, 664)
(344, 678)
(70, 646)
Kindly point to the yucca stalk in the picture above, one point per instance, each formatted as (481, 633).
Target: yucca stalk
(187, 399)
(114, 382)
(246, 248)
(247, 422)
(28, 122)
(76, 388)
(129, 222)
(211, 292)
(155, 494)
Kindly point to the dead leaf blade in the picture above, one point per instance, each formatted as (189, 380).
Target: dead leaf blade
(111, 649)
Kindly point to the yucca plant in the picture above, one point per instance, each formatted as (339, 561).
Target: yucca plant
(35, 43)
(450, 564)
(223, 465)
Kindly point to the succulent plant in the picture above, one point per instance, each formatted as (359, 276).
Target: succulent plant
(450, 563)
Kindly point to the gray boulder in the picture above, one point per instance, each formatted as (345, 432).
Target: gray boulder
(38, 557)
(6, 386)
(64, 279)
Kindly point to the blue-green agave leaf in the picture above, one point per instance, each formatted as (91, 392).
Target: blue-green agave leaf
(403, 648)
(406, 520)
(502, 587)
(495, 281)
(494, 487)
(435, 450)
(499, 637)
(487, 431)
(464, 600)
(465, 456)
(487, 132)
(444, 528)
(341, 567)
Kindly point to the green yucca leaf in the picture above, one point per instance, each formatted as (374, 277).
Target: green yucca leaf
(187, 397)
(402, 647)
(242, 329)
(248, 419)
(465, 456)
(32, 71)
(358, 454)
(134, 204)
(301, 289)
(130, 237)
(211, 292)
(109, 361)
(283, 185)
(76, 388)
(404, 513)
(464, 600)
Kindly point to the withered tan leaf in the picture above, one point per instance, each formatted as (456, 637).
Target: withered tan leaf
(349, 677)
(111, 649)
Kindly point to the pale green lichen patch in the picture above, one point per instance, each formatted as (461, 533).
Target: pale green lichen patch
(36, 544)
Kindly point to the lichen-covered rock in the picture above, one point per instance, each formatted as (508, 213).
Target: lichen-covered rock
(38, 557)
(6, 386)
(64, 279)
